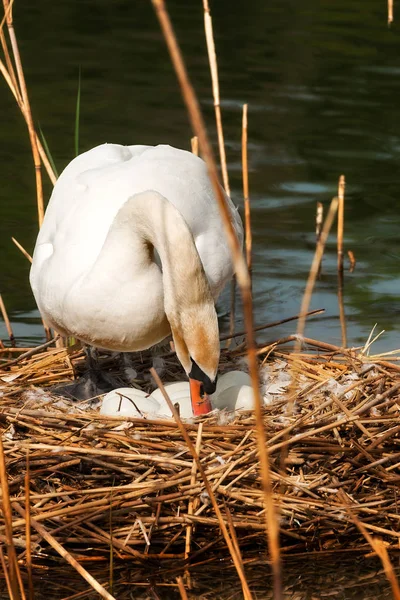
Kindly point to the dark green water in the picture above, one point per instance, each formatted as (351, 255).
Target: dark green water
(322, 79)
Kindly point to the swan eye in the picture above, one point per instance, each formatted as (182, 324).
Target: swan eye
(208, 386)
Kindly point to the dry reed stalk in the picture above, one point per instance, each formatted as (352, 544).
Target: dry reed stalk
(377, 545)
(212, 58)
(319, 219)
(340, 230)
(189, 528)
(194, 142)
(7, 322)
(9, 65)
(312, 277)
(22, 249)
(245, 174)
(340, 223)
(17, 97)
(28, 528)
(31, 352)
(313, 272)
(352, 260)
(182, 590)
(66, 555)
(26, 109)
(6, 575)
(317, 311)
(29, 257)
(342, 314)
(390, 12)
(15, 575)
(232, 313)
(236, 559)
(242, 275)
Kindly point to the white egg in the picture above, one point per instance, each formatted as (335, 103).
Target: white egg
(236, 397)
(129, 402)
(179, 393)
(233, 378)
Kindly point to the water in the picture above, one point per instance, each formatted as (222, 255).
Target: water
(322, 81)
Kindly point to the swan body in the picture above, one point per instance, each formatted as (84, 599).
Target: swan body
(132, 248)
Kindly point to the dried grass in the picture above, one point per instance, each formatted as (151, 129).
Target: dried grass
(343, 456)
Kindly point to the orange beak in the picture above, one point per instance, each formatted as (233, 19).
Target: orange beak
(200, 401)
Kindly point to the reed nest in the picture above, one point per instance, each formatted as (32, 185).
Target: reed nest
(130, 489)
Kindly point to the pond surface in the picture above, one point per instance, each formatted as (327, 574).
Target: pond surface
(322, 79)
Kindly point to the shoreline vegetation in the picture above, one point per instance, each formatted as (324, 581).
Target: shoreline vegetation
(311, 472)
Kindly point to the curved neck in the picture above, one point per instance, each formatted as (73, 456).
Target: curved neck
(188, 302)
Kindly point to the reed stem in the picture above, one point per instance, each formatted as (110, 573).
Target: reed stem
(7, 322)
(243, 277)
(340, 236)
(26, 109)
(245, 171)
(390, 12)
(14, 575)
(212, 58)
(28, 528)
(195, 145)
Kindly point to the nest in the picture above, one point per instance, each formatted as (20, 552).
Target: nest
(127, 493)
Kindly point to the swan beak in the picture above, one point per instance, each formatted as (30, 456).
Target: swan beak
(200, 401)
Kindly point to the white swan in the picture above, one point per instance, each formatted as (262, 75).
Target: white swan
(132, 248)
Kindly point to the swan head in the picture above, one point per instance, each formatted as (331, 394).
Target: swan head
(196, 340)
